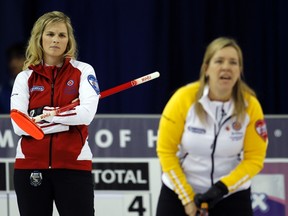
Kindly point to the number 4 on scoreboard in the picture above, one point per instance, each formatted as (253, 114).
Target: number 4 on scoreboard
(137, 206)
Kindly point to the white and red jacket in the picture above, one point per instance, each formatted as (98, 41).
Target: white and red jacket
(65, 143)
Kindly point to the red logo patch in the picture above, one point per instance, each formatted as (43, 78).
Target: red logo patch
(261, 129)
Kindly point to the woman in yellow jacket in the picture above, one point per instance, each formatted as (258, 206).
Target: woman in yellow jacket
(212, 139)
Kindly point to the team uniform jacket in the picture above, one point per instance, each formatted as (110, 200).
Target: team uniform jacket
(65, 142)
(195, 155)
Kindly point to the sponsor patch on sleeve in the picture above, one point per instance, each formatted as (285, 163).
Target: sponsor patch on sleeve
(94, 83)
(261, 129)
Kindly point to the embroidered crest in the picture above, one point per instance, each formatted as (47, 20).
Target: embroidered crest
(70, 87)
(236, 126)
(94, 83)
(36, 178)
(261, 129)
(70, 82)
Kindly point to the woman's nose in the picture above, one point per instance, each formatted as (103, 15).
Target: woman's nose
(55, 40)
(226, 65)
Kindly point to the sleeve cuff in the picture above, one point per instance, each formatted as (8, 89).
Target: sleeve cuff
(222, 187)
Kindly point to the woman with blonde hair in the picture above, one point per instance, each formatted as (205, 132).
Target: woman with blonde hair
(58, 167)
(212, 139)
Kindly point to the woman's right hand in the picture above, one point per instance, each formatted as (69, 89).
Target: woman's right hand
(190, 209)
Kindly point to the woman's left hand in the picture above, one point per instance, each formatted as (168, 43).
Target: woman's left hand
(190, 209)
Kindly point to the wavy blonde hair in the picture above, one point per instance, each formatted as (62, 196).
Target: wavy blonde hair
(240, 87)
(34, 51)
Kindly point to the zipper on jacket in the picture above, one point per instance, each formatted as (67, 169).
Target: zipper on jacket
(212, 157)
(52, 93)
(50, 152)
(52, 105)
(213, 146)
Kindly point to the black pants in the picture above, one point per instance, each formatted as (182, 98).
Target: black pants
(72, 191)
(237, 204)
